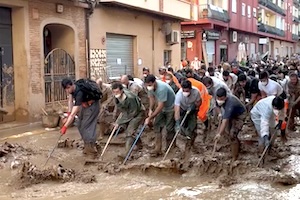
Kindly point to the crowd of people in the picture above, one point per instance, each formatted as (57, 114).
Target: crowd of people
(267, 92)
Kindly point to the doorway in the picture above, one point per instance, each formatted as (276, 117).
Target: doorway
(7, 90)
(59, 43)
(223, 53)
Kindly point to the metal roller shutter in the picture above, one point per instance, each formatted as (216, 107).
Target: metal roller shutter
(119, 47)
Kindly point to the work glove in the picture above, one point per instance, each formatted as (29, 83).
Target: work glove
(63, 130)
(191, 108)
(177, 126)
(278, 126)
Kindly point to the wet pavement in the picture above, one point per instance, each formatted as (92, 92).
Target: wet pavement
(128, 184)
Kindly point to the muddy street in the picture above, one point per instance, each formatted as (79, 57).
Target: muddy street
(23, 175)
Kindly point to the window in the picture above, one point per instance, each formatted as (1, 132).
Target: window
(243, 9)
(254, 12)
(233, 6)
(249, 11)
(167, 56)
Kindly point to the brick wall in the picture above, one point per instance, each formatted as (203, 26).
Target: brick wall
(40, 10)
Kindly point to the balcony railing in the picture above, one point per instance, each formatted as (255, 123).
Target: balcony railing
(270, 29)
(295, 37)
(296, 19)
(272, 6)
(213, 12)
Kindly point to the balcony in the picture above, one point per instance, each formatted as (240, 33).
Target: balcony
(177, 9)
(296, 19)
(272, 6)
(270, 29)
(295, 37)
(209, 11)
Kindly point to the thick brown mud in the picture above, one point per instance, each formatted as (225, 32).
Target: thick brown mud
(23, 175)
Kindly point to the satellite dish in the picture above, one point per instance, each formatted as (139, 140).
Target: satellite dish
(166, 28)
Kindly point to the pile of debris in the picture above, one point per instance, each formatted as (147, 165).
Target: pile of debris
(29, 174)
(13, 152)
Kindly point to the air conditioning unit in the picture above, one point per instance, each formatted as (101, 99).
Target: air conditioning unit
(173, 37)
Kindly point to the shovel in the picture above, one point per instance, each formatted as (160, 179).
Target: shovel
(266, 149)
(216, 142)
(176, 134)
(60, 135)
(110, 137)
(134, 143)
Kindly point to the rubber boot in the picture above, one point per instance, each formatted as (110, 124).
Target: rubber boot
(235, 149)
(187, 149)
(128, 143)
(90, 150)
(158, 144)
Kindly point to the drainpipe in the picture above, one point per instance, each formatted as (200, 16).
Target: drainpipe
(88, 13)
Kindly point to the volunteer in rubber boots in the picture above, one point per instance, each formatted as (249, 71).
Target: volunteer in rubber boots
(233, 116)
(88, 116)
(163, 114)
(187, 102)
(132, 114)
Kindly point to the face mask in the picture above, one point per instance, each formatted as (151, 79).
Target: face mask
(264, 83)
(168, 81)
(275, 111)
(145, 75)
(150, 88)
(118, 95)
(186, 94)
(124, 86)
(220, 102)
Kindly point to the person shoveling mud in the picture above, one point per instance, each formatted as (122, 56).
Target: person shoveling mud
(86, 94)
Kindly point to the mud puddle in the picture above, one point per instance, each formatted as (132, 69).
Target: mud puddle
(201, 177)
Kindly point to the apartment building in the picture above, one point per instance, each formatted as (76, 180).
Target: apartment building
(257, 26)
(127, 35)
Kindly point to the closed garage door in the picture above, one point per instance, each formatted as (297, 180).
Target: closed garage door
(119, 55)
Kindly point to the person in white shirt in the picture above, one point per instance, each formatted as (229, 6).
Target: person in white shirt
(230, 79)
(267, 86)
(213, 84)
(196, 64)
(264, 114)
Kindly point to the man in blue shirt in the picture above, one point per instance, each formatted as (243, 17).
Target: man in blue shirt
(233, 117)
(164, 112)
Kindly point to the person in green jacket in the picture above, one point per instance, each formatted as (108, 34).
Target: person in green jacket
(132, 114)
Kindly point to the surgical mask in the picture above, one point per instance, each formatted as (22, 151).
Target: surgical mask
(275, 111)
(145, 75)
(186, 94)
(150, 88)
(124, 86)
(264, 83)
(118, 95)
(168, 81)
(220, 102)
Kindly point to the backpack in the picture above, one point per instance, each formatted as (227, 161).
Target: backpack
(90, 89)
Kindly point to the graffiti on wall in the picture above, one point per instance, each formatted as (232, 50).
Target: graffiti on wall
(98, 64)
(8, 85)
